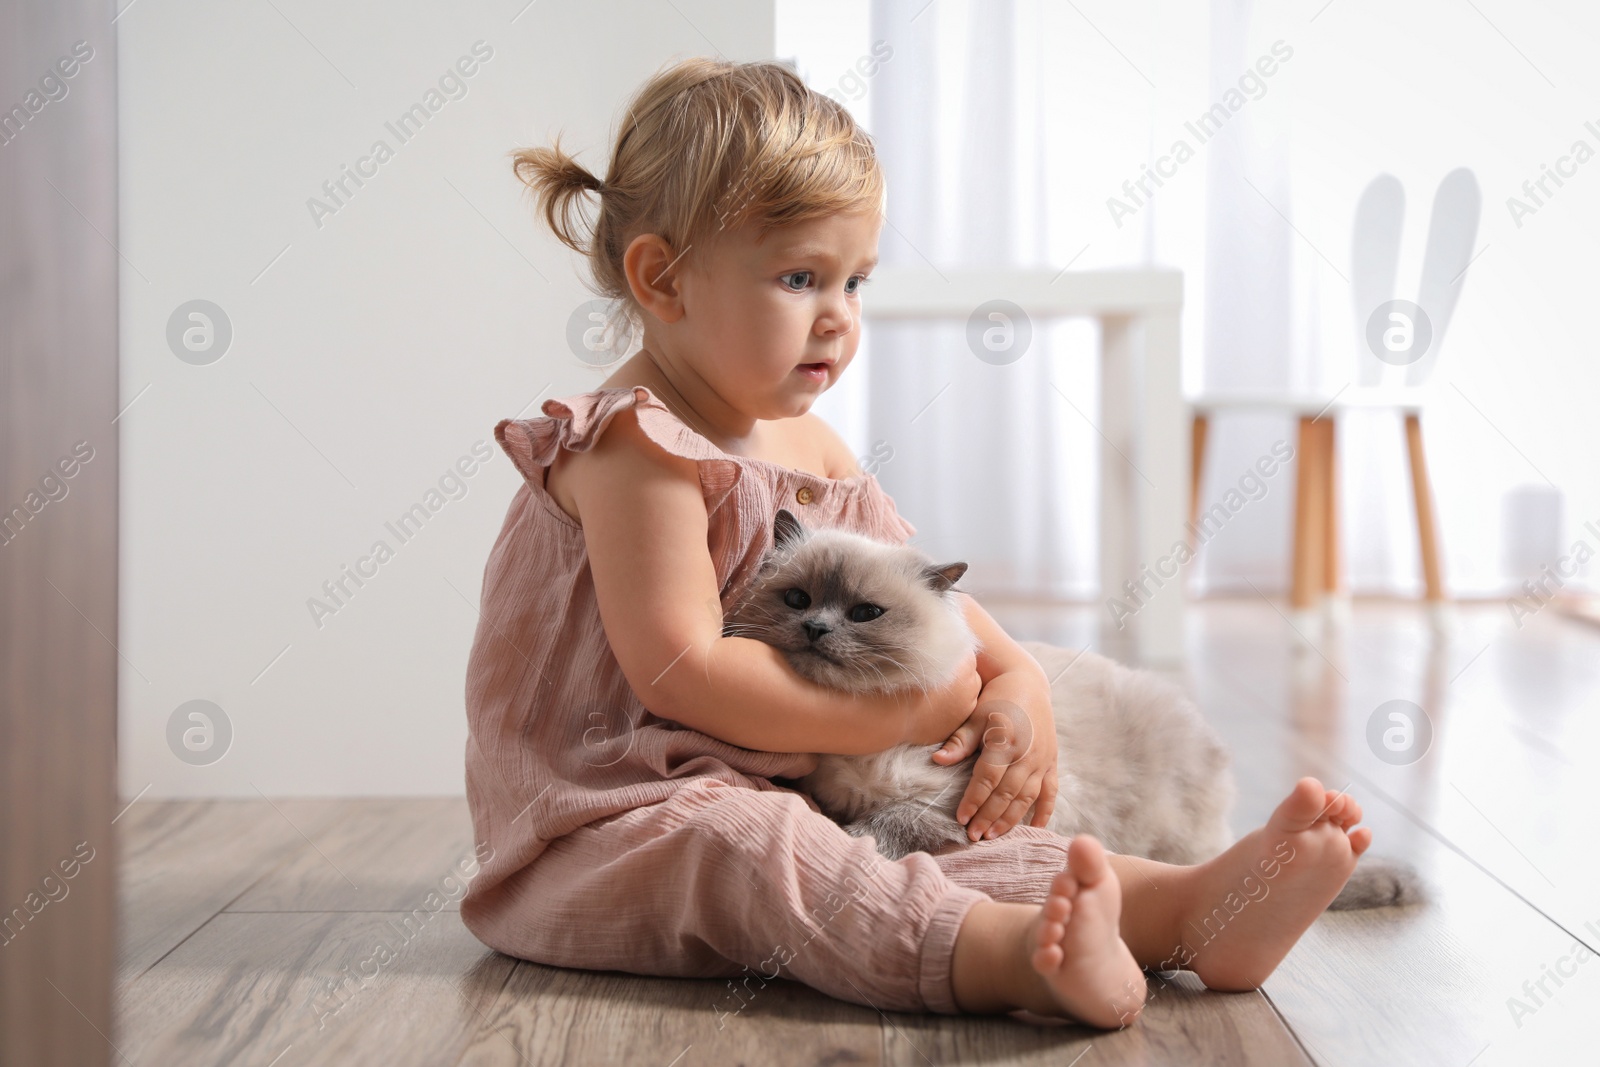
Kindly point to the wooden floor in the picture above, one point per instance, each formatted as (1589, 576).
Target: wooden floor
(248, 928)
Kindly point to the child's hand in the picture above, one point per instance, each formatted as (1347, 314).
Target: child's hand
(1014, 724)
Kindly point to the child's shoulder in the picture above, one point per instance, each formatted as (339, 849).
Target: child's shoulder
(615, 448)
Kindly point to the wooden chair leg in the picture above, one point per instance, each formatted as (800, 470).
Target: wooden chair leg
(1427, 526)
(1309, 525)
(1330, 509)
(1197, 459)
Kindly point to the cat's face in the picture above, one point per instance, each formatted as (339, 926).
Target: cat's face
(853, 613)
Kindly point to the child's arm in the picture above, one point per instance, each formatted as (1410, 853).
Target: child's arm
(645, 528)
(1016, 768)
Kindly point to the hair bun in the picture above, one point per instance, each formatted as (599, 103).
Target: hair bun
(576, 175)
(559, 180)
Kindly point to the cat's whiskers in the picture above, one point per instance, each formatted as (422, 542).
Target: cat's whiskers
(919, 665)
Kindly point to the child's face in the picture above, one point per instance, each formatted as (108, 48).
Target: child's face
(771, 326)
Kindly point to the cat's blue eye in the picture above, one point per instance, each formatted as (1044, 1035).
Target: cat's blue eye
(797, 598)
(865, 612)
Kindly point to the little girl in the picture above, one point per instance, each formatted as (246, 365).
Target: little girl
(622, 752)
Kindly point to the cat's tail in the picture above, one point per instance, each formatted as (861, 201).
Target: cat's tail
(1380, 882)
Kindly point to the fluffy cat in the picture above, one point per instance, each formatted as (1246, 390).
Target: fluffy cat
(1140, 768)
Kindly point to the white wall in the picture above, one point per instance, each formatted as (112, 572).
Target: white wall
(369, 354)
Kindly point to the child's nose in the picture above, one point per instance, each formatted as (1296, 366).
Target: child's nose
(837, 321)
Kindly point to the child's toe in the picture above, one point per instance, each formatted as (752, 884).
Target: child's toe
(1047, 959)
(1333, 805)
(1302, 807)
(1058, 910)
(1064, 884)
(1086, 859)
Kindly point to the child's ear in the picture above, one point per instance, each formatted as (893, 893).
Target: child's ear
(648, 264)
(786, 529)
(941, 576)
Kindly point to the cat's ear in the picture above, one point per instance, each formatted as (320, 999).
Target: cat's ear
(942, 576)
(786, 529)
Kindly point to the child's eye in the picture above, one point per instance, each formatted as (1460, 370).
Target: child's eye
(797, 598)
(851, 287)
(865, 612)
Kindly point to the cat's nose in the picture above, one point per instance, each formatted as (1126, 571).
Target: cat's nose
(815, 629)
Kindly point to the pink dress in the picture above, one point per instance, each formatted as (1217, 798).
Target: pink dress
(617, 840)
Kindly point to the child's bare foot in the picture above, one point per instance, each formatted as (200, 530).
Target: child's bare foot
(1086, 970)
(1255, 900)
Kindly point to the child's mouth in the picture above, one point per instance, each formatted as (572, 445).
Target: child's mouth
(817, 372)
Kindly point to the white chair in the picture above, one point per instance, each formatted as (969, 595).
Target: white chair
(1393, 367)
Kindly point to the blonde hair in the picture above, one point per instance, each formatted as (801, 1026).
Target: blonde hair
(706, 146)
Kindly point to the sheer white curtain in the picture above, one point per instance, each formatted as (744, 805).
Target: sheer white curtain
(1007, 127)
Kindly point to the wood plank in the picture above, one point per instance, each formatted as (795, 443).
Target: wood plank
(183, 861)
(551, 1015)
(381, 854)
(1183, 1023)
(313, 989)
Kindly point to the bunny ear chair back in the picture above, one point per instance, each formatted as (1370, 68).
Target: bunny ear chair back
(1375, 262)
(1454, 227)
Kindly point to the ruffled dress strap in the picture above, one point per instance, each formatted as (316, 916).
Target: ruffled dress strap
(576, 422)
